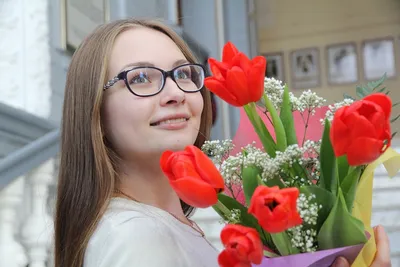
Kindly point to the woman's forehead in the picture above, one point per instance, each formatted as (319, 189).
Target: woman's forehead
(142, 44)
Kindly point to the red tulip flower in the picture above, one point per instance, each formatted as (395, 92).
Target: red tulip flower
(193, 176)
(237, 79)
(362, 130)
(275, 209)
(243, 246)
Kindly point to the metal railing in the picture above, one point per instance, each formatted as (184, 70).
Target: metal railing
(38, 141)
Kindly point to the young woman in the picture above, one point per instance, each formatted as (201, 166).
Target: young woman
(133, 90)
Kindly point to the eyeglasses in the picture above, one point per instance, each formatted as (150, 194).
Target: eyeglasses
(149, 81)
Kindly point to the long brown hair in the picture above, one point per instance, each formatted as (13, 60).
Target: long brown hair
(88, 166)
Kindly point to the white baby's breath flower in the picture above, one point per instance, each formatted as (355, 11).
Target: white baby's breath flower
(304, 240)
(233, 218)
(274, 90)
(309, 100)
(231, 167)
(230, 170)
(333, 108)
(217, 150)
(304, 236)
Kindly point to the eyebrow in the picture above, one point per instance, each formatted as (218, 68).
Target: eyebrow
(149, 64)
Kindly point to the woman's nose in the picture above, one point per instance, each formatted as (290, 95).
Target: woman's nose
(171, 93)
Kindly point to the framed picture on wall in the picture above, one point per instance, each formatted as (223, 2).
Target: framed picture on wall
(80, 18)
(305, 68)
(275, 67)
(342, 63)
(379, 58)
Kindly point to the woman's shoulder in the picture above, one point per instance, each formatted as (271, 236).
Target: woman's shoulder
(124, 231)
(121, 210)
(130, 218)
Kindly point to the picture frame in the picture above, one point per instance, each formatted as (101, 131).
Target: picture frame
(378, 58)
(305, 68)
(342, 63)
(80, 18)
(275, 66)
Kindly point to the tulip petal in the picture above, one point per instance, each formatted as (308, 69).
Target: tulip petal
(381, 100)
(230, 231)
(219, 89)
(283, 216)
(379, 123)
(206, 168)
(364, 150)
(256, 257)
(218, 69)
(228, 52)
(256, 76)
(354, 107)
(241, 61)
(228, 259)
(243, 247)
(360, 127)
(236, 82)
(165, 162)
(194, 192)
(247, 243)
(183, 166)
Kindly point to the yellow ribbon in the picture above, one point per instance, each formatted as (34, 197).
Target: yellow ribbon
(363, 202)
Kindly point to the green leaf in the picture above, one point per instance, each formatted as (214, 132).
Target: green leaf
(341, 229)
(382, 89)
(250, 181)
(270, 254)
(222, 211)
(281, 143)
(343, 167)
(323, 197)
(394, 134)
(246, 219)
(259, 180)
(261, 130)
(275, 182)
(346, 96)
(283, 244)
(349, 187)
(376, 84)
(286, 116)
(395, 104)
(387, 93)
(362, 91)
(328, 179)
(395, 119)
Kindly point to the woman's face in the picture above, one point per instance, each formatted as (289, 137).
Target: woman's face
(146, 126)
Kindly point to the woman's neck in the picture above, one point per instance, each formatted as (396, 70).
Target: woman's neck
(150, 186)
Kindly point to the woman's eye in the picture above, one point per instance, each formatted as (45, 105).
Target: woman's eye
(183, 74)
(139, 78)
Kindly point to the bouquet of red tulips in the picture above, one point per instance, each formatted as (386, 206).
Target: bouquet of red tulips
(295, 196)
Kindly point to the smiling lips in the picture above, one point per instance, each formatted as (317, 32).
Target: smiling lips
(176, 122)
(170, 121)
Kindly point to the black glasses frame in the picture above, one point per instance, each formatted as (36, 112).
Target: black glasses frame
(124, 74)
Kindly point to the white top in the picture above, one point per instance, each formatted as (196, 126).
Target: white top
(132, 234)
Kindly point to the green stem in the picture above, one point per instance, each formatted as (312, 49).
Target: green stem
(280, 134)
(222, 207)
(261, 130)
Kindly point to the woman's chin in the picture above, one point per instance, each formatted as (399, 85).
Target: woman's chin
(176, 146)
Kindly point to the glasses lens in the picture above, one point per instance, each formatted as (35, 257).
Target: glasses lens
(145, 81)
(189, 78)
